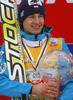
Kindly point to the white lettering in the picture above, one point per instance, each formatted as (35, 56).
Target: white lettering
(50, 1)
(53, 1)
(69, 1)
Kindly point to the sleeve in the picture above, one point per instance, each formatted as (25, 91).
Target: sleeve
(67, 93)
(7, 87)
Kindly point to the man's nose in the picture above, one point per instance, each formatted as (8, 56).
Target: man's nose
(36, 20)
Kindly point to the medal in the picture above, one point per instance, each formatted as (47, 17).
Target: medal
(35, 77)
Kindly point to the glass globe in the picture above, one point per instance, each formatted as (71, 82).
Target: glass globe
(56, 66)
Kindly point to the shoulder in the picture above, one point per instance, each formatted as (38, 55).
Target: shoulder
(47, 28)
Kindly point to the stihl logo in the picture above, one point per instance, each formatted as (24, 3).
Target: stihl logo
(53, 1)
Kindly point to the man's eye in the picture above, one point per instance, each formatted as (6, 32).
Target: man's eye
(41, 16)
(31, 16)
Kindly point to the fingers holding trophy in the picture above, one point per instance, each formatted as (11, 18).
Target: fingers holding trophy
(56, 67)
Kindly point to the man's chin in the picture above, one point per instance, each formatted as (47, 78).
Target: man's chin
(36, 33)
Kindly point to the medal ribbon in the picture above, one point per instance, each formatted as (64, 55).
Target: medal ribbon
(28, 53)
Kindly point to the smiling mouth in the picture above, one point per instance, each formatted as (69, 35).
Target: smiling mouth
(36, 27)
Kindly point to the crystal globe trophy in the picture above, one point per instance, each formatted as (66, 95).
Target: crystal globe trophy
(56, 66)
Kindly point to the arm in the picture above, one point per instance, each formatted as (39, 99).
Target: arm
(67, 93)
(8, 87)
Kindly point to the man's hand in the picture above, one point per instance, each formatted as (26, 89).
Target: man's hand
(48, 90)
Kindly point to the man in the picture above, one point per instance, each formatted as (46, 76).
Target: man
(36, 40)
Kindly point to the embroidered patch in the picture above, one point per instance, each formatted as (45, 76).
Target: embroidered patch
(53, 42)
(22, 14)
(2, 68)
(32, 2)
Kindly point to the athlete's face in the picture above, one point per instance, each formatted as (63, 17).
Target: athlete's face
(33, 24)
